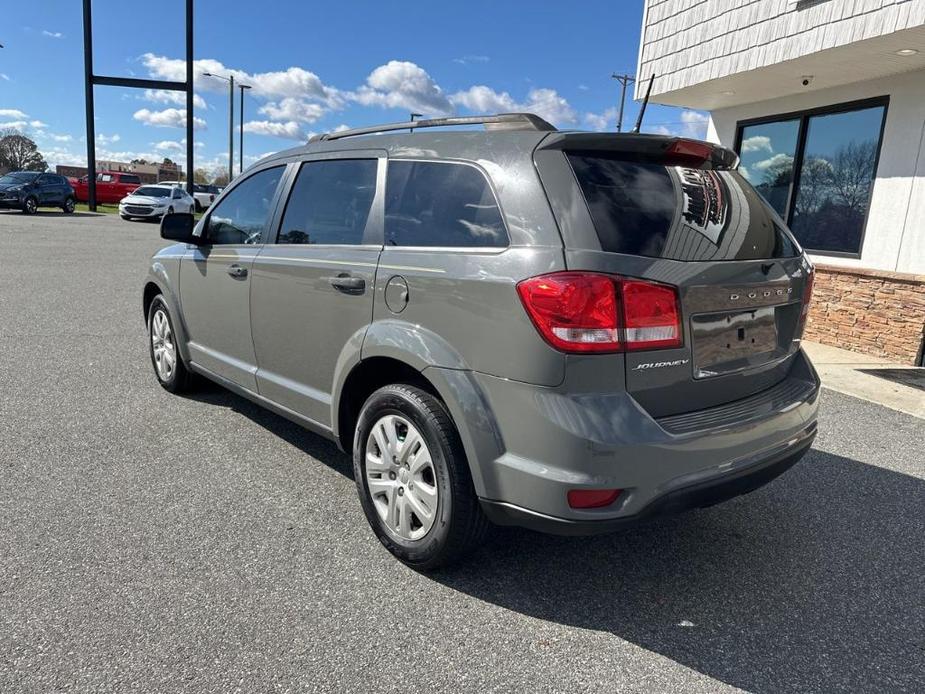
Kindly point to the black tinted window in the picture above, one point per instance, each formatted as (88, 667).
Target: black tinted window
(130, 178)
(440, 204)
(330, 202)
(242, 214)
(649, 209)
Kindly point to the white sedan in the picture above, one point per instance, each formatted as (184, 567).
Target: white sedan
(156, 200)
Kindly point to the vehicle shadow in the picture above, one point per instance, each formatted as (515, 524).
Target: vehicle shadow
(812, 583)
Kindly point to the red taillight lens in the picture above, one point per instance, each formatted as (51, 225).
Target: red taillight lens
(574, 311)
(807, 298)
(651, 315)
(592, 498)
(593, 312)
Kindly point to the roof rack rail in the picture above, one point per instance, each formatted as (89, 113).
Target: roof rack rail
(501, 121)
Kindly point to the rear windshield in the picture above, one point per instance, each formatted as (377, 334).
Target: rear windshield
(676, 212)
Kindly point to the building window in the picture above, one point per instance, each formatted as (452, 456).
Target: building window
(817, 169)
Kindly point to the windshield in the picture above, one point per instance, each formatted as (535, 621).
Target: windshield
(153, 192)
(20, 177)
(677, 212)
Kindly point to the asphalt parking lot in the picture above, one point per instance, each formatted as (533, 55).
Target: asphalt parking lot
(156, 543)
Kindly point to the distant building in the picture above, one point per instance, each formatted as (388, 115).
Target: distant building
(824, 100)
(148, 173)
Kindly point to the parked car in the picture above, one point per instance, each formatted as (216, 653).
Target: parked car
(202, 194)
(30, 190)
(156, 200)
(111, 186)
(565, 331)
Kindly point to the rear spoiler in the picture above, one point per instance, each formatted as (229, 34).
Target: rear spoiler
(676, 151)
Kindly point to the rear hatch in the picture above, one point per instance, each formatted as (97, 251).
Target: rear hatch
(676, 212)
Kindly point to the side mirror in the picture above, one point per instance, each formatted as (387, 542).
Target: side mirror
(179, 227)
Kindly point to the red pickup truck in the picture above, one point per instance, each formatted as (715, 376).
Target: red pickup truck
(111, 186)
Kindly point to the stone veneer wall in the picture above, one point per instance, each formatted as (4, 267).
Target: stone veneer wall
(870, 311)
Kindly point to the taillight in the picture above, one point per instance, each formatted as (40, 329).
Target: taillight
(683, 152)
(651, 315)
(594, 312)
(574, 311)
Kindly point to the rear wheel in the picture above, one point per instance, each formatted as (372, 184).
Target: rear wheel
(168, 366)
(413, 478)
(198, 207)
(30, 206)
(69, 205)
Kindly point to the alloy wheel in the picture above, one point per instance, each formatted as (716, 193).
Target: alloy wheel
(401, 478)
(165, 351)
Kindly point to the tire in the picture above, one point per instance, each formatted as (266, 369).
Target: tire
(444, 488)
(198, 207)
(69, 205)
(170, 210)
(30, 206)
(126, 217)
(176, 379)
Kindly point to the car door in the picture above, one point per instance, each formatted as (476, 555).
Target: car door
(45, 190)
(312, 288)
(215, 278)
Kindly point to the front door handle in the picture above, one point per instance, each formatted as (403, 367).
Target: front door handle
(237, 271)
(348, 284)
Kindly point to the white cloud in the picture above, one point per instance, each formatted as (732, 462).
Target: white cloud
(174, 145)
(468, 59)
(5, 77)
(289, 130)
(167, 96)
(779, 159)
(168, 118)
(757, 143)
(402, 84)
(52, 34)
(546, 103)
(602, 121)
(693, 124)
(15, 125)
(37, 124)
(292, 82)
(60, 138)
(290, 109)
(12, 113)
(107, 139)
(583, 87)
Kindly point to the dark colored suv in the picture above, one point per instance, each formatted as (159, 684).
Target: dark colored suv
(566, 331)
(30, 190)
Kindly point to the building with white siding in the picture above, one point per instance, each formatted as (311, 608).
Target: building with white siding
(824, 100)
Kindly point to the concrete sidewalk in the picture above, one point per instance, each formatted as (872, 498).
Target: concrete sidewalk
(892, 385)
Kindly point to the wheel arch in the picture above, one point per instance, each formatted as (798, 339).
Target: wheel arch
(158, 282)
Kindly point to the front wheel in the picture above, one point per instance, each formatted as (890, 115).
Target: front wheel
(69, 206)
(169, 368)
(413, 478)
(30, 206)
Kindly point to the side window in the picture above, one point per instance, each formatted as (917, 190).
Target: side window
(330, 202)
(105, 178)
(44, 180)
(131, 179)
(441, 204)
(243, 214)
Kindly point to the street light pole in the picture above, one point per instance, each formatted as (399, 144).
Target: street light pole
(413, 116)
(624, 80)
(230, 81)
(242, 87)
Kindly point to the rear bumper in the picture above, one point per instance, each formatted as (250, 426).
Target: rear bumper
(747, 476)
(574, 436)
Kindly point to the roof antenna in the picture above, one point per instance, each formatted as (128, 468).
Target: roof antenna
(645, 102)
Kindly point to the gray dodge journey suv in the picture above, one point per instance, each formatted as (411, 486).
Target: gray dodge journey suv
(566, 331)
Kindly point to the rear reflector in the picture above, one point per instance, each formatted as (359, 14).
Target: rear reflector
(592, 498)
(594, 312)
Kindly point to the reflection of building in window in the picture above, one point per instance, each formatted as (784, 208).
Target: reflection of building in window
(705, 202)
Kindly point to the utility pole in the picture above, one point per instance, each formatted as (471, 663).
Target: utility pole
(242, 87)
(624, 81)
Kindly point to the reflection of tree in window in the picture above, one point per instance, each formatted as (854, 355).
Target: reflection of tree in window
(241, 216)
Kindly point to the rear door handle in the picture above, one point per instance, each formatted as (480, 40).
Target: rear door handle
(348, 284)
(237, 271)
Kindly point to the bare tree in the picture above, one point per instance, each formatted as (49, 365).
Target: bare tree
(852, 173)
(19, 153)
(220, 176)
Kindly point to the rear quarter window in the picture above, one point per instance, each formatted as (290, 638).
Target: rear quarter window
(441, 204)
(681, 213)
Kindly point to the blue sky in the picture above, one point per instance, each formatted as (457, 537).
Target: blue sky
(314, 67)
